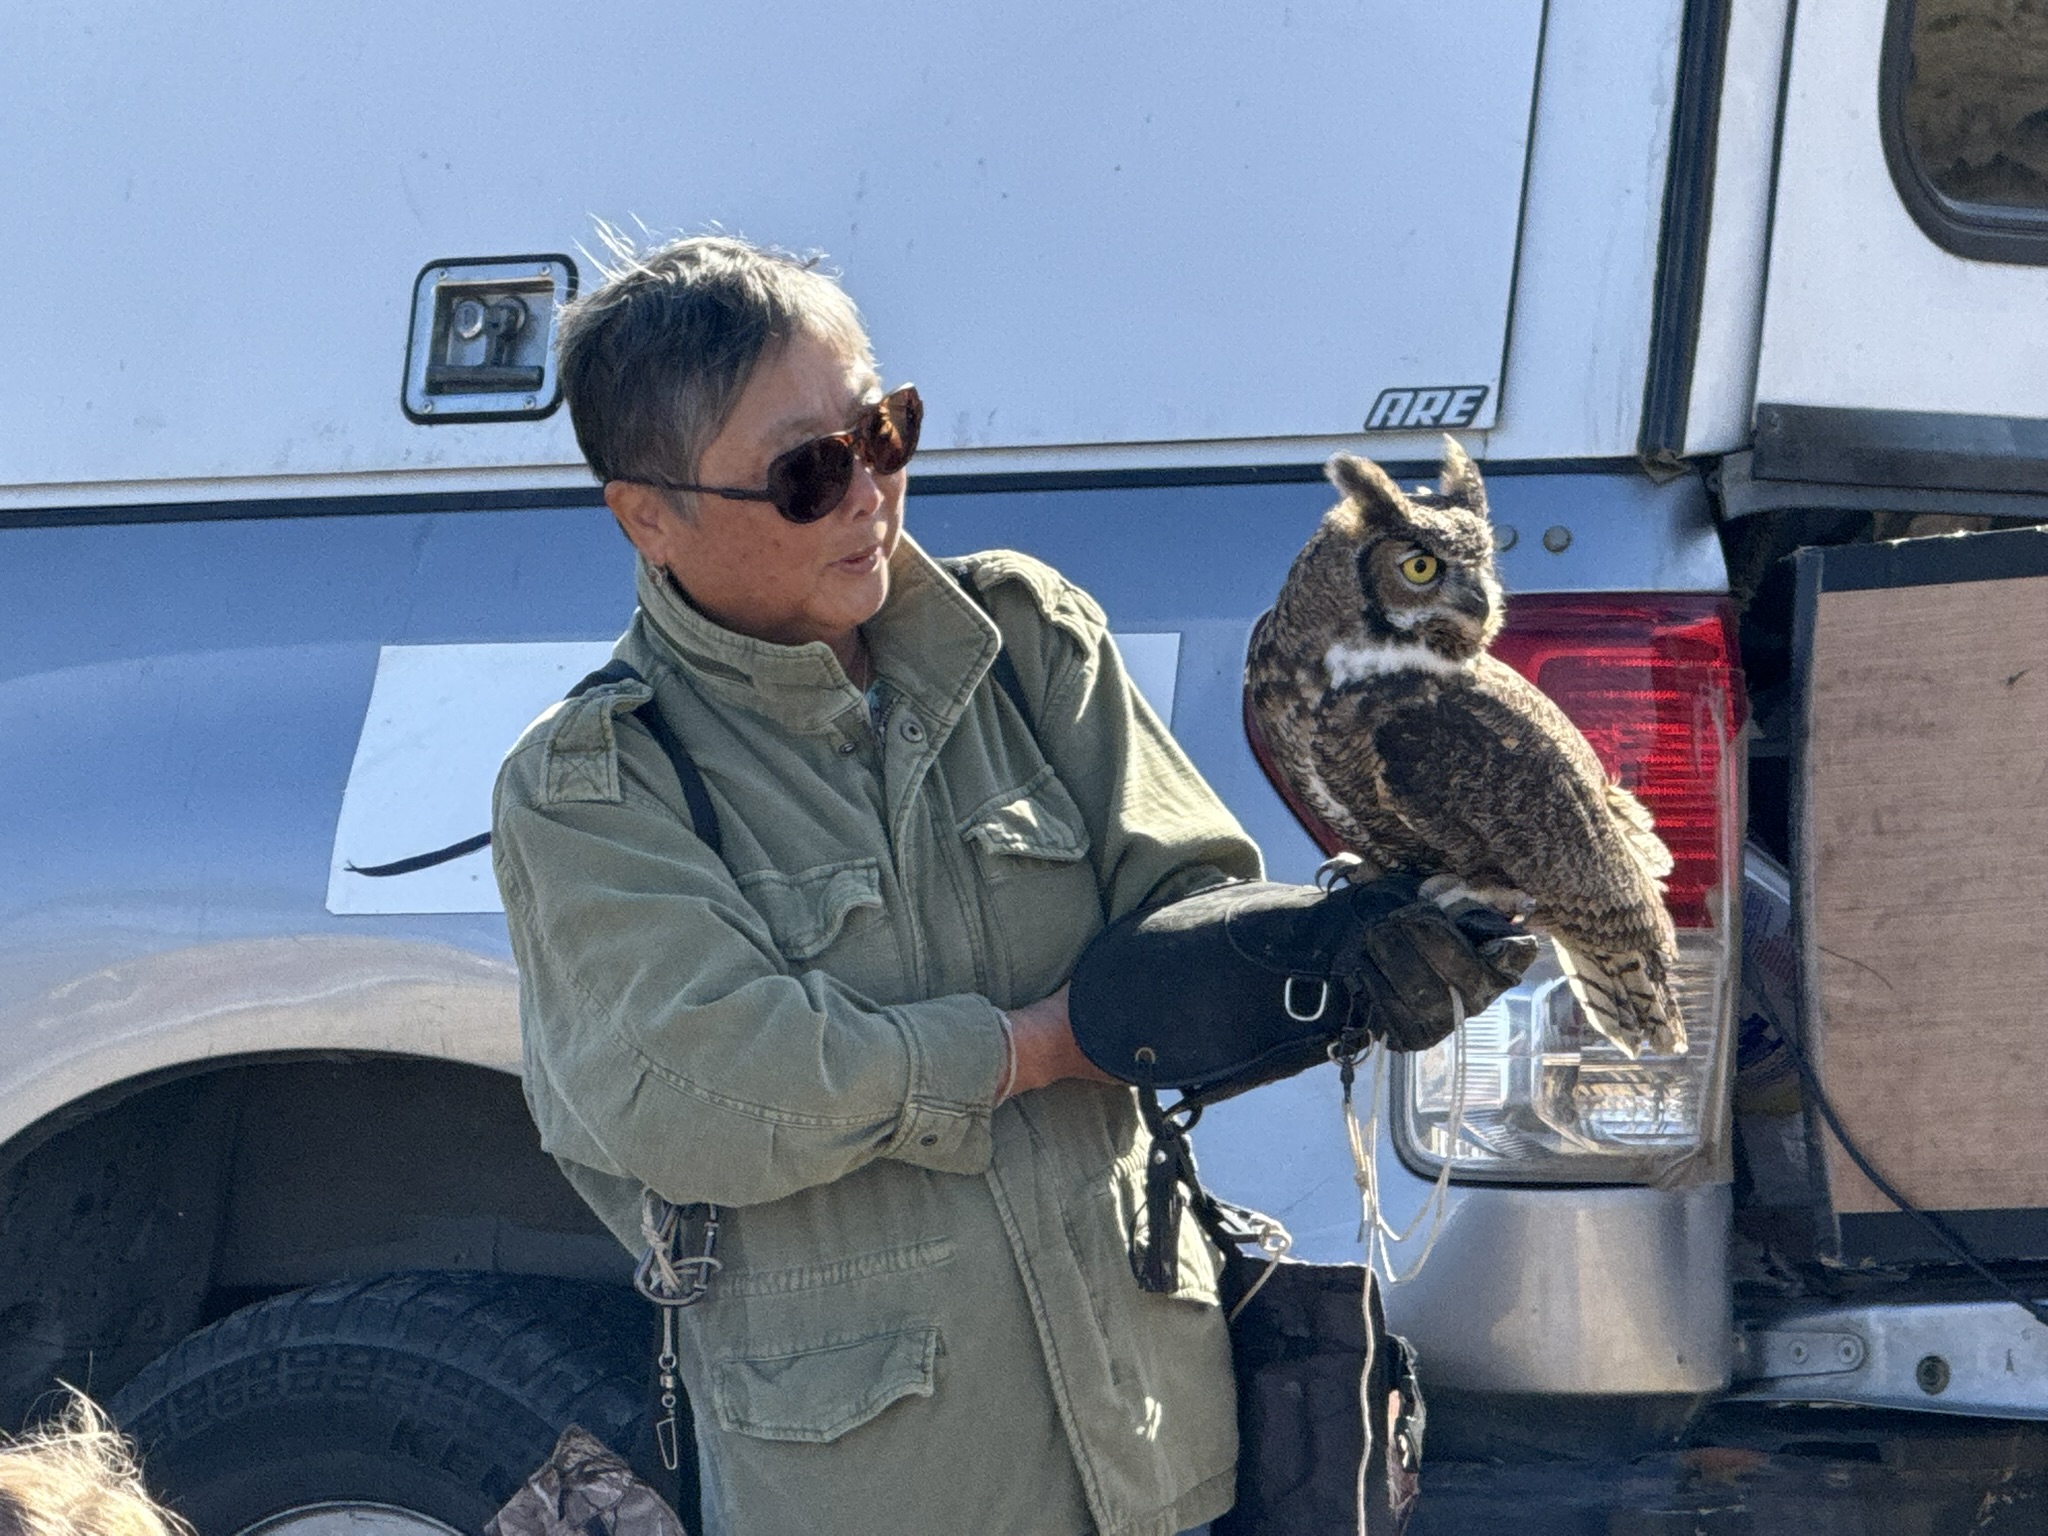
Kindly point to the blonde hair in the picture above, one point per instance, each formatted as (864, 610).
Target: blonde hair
(77, 1476)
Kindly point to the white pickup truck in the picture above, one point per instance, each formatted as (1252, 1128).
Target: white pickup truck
(294, 539)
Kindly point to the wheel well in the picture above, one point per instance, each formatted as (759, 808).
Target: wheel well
(158, 1207)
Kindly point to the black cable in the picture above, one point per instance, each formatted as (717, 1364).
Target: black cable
(1943, 1233)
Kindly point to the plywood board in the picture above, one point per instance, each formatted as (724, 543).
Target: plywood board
(1925, 845)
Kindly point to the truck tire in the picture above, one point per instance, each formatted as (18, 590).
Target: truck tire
(410, 1405)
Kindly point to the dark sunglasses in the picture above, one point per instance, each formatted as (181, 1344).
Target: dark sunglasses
(812, 478)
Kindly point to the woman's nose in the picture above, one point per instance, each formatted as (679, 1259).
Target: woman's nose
(864, 492)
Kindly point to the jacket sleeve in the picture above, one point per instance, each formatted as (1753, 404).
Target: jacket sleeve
(1159, 830)
(702, 1066)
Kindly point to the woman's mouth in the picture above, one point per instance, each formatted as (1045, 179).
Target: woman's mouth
(862, 562)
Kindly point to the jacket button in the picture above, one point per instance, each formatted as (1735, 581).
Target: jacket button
(912, 731)
(928, 1140)
(846, 749)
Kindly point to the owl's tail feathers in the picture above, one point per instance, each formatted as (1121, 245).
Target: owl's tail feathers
(1625, 997)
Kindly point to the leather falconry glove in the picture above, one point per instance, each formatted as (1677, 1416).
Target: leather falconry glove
(1250, 982)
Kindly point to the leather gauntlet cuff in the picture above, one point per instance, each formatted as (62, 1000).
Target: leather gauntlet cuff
(1247, 983)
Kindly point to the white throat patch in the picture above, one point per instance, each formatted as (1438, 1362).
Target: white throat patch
(1348, 664)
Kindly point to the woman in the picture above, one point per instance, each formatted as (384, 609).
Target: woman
(847, 1024)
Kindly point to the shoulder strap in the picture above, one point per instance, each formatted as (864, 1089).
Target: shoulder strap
(703, 814)
(1002, 669)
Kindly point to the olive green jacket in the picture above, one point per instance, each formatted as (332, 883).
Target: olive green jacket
(926, 1321)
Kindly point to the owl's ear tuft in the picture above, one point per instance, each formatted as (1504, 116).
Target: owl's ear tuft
(1366, 483)
(1459, 480)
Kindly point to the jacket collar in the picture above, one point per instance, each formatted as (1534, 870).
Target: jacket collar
(931, 643)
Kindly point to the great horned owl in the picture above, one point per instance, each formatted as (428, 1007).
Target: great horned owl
(1372, 684)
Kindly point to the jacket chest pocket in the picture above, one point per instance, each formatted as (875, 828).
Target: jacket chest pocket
(828, 918)
(1030, 847)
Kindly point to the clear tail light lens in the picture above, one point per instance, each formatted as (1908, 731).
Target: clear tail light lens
(1654, 683)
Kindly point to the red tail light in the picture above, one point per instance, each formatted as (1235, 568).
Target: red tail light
(1654, 682)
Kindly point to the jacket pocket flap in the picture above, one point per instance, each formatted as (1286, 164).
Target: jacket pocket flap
(819, 1393)
(806, 912)
(1038, 820)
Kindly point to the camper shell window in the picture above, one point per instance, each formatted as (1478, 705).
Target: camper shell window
(1965, 118)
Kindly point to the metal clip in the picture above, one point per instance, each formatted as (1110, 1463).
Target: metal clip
(666, 1275)
(1274, 1241)
(673, 1279)
(665, 1428)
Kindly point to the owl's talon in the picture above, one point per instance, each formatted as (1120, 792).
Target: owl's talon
(1345, 869)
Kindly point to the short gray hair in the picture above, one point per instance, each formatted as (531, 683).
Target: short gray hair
(655, 357)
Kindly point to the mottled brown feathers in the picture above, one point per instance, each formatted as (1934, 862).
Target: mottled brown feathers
(1371, 682)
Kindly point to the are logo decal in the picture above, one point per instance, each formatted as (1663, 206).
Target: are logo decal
(1435, 405)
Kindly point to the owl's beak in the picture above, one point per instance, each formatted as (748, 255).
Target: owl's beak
(1469, 601)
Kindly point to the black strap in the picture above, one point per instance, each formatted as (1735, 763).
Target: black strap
(1170, 1180)
(1002, 669)
(703, 815)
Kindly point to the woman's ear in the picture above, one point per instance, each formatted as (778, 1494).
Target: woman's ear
(645, 517)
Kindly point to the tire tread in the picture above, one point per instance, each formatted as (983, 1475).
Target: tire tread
(459, 1380)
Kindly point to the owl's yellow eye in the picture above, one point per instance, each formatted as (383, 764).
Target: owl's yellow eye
(1420, 568)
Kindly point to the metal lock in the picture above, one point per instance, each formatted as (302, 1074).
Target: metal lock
(483, 337)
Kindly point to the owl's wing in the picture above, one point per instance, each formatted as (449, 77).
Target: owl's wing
(1637, 829)
(1496, 780)
(1508, 794)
